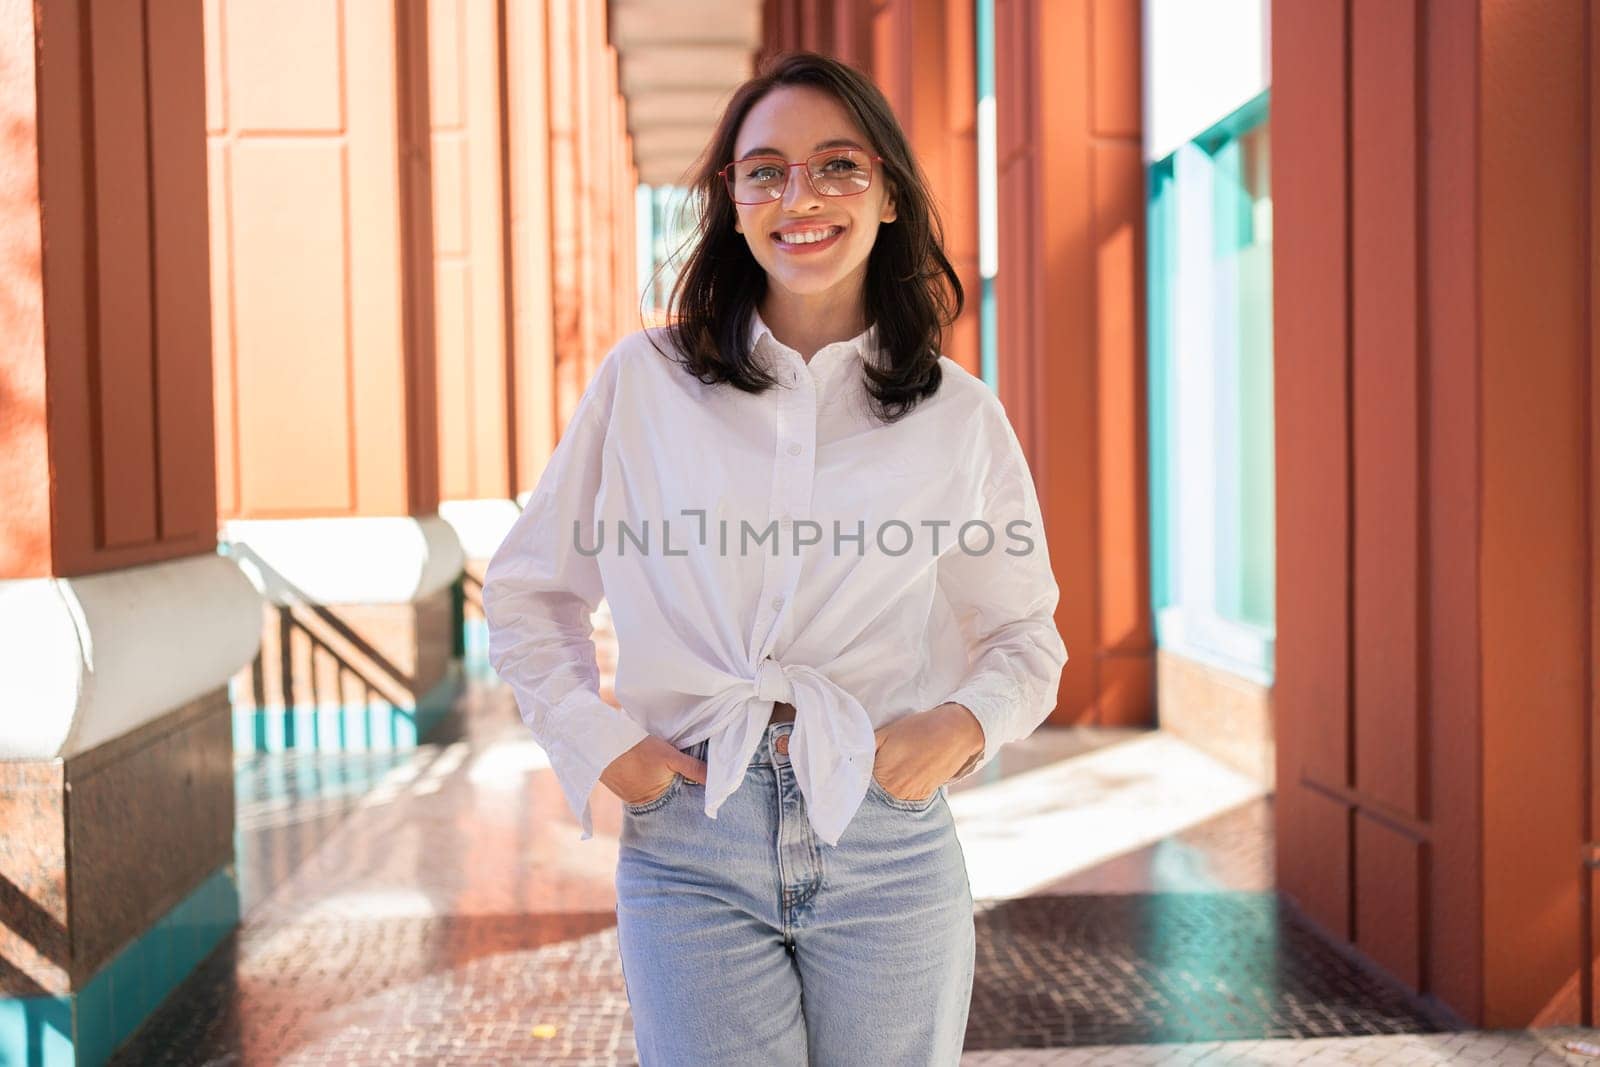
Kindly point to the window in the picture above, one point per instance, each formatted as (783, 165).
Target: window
(1211, 420)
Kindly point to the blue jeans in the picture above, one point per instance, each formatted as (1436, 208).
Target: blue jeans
(746, 940)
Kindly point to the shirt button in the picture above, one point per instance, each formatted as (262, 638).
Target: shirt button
(786, 518)
(777, 603)
(794, 448)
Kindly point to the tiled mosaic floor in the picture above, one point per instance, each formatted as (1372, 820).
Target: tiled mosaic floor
(1510, 1048)
(1111, 969)
(449, 916)
(289, 803)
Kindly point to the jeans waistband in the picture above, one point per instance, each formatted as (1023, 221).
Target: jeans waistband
(765, 752)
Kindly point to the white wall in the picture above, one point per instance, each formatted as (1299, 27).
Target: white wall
(1202, 60)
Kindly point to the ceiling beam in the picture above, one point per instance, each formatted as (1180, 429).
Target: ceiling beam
(679, 64)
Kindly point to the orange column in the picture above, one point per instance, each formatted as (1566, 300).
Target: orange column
(1538, 358)
(815, 18)
(315, 211)
(323, 291)
(536, 216)
(841, 28)
(568, 238)
(619, 177)
(122, 623)
(1436, 365)
(588, 175)
(633, 318)
(633, 308)
(851, 36)
(599, 92)
(473, 114)
(625, 280)
(603, 124)
(471, 268)
(953, 82)
(586, 49)
(1071, 327)
(105, 428)
(634, 223)
(924, 60)
(482, 424)
(1311, 697)
(780, 26)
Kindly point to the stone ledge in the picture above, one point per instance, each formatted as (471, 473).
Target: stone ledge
(94, 657)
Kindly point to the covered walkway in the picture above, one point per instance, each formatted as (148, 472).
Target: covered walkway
(301, 296)
(433, 907)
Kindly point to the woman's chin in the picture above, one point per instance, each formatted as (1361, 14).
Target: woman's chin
(802, 282)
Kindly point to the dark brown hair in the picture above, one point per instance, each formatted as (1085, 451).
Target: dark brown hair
(911, 293)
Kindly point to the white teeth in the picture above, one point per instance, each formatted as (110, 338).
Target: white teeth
(809, 238)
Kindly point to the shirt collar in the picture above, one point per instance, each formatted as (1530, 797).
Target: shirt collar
(856, 350)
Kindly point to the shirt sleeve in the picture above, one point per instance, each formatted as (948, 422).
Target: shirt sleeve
(1005, 601)
(539, 592)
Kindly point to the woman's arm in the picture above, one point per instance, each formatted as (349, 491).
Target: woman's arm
(1005, 601)
(538, 594)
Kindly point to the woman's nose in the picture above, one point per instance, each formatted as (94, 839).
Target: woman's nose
(799, 192)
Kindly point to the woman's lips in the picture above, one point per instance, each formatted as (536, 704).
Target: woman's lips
(809, 246)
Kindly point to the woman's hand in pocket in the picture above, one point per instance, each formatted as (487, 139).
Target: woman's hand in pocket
(645, 771)
(918, 753)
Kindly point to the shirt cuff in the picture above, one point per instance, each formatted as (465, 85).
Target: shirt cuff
(993, 700)
(594, 735)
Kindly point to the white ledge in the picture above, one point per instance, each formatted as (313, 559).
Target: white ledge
(378, 560)
(480, 524)
(88, 659)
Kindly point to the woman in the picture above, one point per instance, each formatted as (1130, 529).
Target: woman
(821, 547)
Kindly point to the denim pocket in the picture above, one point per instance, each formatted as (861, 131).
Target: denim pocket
(900, 802)
(646, 806)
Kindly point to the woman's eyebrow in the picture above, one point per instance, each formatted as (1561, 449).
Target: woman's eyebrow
(837, 142)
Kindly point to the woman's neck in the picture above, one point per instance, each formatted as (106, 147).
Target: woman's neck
(808, 323)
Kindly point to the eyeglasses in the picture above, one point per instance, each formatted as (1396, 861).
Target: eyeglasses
(835, 172)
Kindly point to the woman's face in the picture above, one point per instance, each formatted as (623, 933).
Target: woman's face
(795, 122)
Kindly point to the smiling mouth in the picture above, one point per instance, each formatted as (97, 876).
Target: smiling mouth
(808, 237)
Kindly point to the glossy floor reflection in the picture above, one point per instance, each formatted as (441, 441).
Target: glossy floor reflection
(1115, 969)
(287, 803)
(438, 908)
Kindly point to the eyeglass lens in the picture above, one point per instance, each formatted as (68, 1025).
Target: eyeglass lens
(841, 172)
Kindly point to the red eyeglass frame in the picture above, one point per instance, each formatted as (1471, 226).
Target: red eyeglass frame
(780, 161)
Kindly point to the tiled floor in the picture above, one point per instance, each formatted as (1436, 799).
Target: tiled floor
(1507, 1047)
(449, 915)
(1112, 969)
(288, 803)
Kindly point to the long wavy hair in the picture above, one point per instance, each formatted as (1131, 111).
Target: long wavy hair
(912, 293)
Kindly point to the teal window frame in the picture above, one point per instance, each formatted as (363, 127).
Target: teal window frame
(1212, 550)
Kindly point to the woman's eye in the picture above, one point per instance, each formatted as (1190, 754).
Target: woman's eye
(841, 165)
(764, 174)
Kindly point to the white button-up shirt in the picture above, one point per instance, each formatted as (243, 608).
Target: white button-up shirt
(782, 546)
